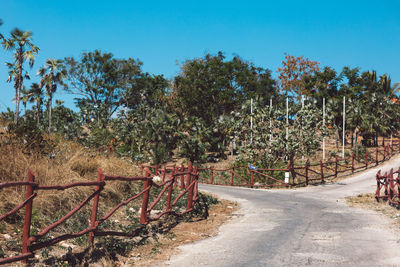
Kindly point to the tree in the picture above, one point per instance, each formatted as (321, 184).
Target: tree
(24, 49)
(51, 75)
(211, 87)
(271, 146)
(36, 96)
(293, 72)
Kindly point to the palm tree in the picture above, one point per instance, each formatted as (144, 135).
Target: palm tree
(26, 95)
(51, 75)
(36, 95)
(21, 43)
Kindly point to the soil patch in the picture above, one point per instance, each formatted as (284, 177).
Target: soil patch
(186, 232)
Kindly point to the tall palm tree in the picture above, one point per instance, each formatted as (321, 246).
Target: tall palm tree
(24, 50)
(36, 95)
(51, 75)
(26, 95)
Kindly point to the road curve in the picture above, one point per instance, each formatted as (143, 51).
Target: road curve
(300, 227)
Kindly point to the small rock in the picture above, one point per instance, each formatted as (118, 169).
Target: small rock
(157, 179)
(132, 210)
(66, 245)
(7, 236)
(230, 207)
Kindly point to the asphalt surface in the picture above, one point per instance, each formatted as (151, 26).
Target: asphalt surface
(310, 226)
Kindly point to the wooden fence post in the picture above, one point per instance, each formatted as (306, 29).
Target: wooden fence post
(145, 200)
(188, 176)
(322, 171)
(336, 165)
(352, 163)
(390, 178)
(190, 192)
(182, 177)
(251, 178)
(366, 158)
(28, 214)
(384, 153)
(232, 171)
(307, 166)
(164, 174)
(168, 208)
(376, 157)
(100, 178)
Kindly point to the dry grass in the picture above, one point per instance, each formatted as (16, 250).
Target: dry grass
(67, 163)
(368, 201)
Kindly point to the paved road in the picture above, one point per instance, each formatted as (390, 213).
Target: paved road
(307, 226)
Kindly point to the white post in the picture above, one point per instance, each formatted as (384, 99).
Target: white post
(323, 127)
(287, 124)
(251, 121)
(302, 107)
(270, 122)
(344, 123)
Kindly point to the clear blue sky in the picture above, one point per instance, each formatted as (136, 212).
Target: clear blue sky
(162, 34)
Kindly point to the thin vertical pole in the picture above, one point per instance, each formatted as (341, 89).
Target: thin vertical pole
(28, 214)
(270, 122)
(323, 121)
(100, 178)
(344, 123)
(287, 126)
(302, 145)
(251, 121)
(145, 199)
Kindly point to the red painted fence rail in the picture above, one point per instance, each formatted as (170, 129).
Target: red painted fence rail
(174, 177)
(309, 173)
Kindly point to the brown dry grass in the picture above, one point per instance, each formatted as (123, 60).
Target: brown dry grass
(68, 162)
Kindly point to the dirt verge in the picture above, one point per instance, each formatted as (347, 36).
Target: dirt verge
(368, 201)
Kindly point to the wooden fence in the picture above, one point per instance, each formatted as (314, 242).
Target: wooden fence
(186, 179)
(306, 174)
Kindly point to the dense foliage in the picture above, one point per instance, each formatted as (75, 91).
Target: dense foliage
(203, 112)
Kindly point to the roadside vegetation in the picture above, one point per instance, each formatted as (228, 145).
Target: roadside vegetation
(215, 107)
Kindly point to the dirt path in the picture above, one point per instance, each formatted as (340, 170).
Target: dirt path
(302, 227)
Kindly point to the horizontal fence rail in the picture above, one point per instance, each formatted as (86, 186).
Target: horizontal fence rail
(306, 174)
(185, 177)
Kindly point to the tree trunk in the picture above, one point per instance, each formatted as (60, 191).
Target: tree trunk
(16, 105)
(38, 112)
(24, 103)
(50, 106)
(352, 139)
(337, 139)
(19, 84)
(292, 172)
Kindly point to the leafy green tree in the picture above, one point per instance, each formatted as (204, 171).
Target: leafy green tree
(66, 122)
(99, 81)
(193, 143)
(212, 87)
(24, 50)
(271, 143)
